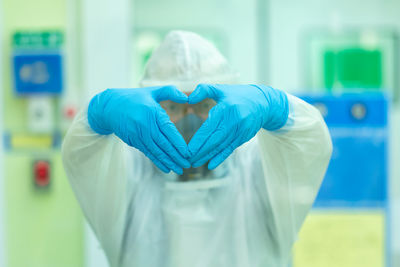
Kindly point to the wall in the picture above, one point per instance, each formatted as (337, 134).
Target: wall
(43, 228)
(2, 205)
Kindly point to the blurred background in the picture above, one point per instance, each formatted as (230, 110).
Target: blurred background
(342, 56)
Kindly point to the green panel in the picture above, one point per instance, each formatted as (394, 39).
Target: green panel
(329, 69)
(38, 39)
(44, 227)
(341, 239)
(359, 67)
(353, 68)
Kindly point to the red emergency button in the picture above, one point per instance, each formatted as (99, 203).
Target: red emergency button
(69, 112)
(42, 173)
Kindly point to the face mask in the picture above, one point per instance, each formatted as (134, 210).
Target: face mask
(189, 125)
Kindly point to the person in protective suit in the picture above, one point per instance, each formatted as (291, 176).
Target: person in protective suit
(247, 162)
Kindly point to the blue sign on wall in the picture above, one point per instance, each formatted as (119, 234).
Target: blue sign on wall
(38, 73)
(357, 174)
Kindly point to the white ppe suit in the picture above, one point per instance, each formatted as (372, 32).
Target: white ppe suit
(248, 217)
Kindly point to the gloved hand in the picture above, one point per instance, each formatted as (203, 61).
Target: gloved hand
(241, 111)
(135, 116)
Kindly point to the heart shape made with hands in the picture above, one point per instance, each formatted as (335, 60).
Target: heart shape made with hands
(137, 118)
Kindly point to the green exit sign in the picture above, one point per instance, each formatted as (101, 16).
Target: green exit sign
(38, 39)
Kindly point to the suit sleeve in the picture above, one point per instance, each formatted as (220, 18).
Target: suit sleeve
(97, 166)
(294, 160)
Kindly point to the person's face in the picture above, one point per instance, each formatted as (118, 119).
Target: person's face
(177, 111)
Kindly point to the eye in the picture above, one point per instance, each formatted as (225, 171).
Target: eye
(173, 109)
(205, 105)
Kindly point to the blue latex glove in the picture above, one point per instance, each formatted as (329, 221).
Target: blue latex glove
(241, 111)
(136, 117)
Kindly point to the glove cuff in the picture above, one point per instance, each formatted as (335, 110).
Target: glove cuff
(277, 108)
(96, 115)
